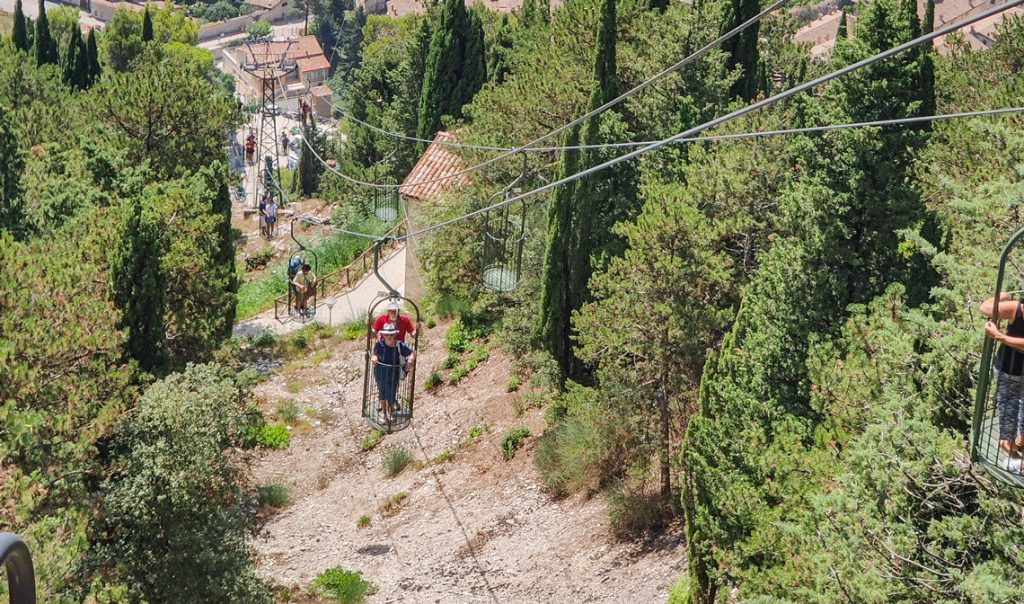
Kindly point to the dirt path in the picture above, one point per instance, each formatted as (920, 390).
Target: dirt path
(474, 528)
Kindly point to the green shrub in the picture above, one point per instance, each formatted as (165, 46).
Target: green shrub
(266, 339)
(364, 521)
(300, 340)
(433, 380)
(457, 374)
(345, 586)
(272, 495)
(631, 514)
(450, 305)
(354, 329)
(442, 457)
(458, 337)
(679, 593)
(396, 460)
(574, 456)
(476, 431)
(273, 436)
(512, 440)
(288, 411)
(430, 323)
(513, 384)
(186, 422)
(371, 440)
(451, 360)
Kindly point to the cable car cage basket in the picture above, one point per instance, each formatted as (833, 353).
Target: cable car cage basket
(387, 204)
(389, 387)
(504, 237)
(998, 400)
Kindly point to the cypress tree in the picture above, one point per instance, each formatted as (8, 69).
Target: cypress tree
(497, 66)
(70, 58)
(81, 77)
(93, 58)
(452, 76)
(352, 43)
(136, 286)
(582, 213)
(474, 69)
(147, 25)
(841, 33)
(20, 32)
(742, 48)
(225, 255)
(309, 169)
(12, 164)
(46, 46)
(756, 425)
(529, 12)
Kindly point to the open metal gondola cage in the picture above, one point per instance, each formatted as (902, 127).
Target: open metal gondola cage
(389, 389)
(996, 417)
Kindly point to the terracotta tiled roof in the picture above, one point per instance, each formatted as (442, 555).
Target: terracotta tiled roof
(321, 90)
(305, 47)
(313, 63)
(437, 162)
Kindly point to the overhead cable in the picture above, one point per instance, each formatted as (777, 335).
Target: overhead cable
(632, 91)
(730, 116)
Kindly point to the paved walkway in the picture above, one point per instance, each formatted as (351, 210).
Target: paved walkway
(349, 305)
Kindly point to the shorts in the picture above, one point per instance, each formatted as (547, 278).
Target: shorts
(271, 219)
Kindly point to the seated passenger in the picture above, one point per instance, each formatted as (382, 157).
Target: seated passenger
(402, 322)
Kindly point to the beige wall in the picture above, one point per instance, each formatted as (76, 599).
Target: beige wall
(209, 31)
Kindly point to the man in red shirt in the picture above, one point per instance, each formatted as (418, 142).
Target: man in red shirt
(402, 322)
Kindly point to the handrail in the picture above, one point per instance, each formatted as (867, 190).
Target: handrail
(21, 578)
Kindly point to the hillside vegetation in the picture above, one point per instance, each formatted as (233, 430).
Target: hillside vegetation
(773, 341)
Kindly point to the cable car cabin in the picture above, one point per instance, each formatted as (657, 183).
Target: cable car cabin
(997, 432)
(386, 202)
(390, 374)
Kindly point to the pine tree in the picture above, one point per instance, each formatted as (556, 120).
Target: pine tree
(137, 288)
(742, 48)
(46, 46)
(93, 58)
(841, 33)
(147, 25)
(20, 32)
(12, 165)
(529, 14)
(928, 106)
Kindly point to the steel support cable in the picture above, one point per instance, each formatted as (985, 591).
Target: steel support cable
(805, 130)
(730, 116)
(632, 91)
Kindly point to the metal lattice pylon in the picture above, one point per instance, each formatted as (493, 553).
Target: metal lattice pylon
(268, 66)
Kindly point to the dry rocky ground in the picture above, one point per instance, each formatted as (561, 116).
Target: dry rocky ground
(472, 528)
